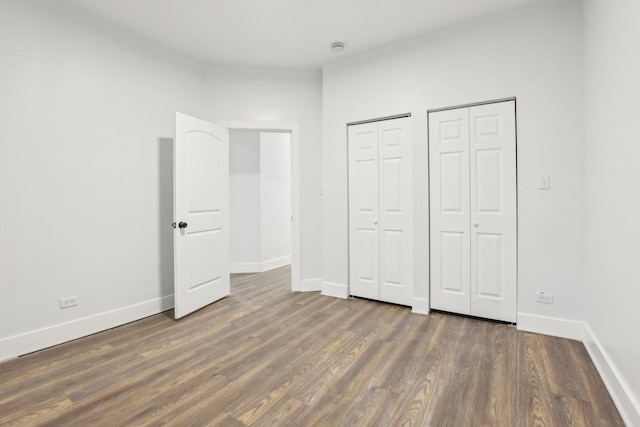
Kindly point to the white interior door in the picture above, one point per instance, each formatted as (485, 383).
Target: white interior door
(364, 270)
(449, 210)
(473, 214)
(493, 210)
(380, 219)
(201, 212)
(396, 238)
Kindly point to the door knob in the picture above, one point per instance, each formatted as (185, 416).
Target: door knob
(182, 225)
(475, 224)
(375, 222)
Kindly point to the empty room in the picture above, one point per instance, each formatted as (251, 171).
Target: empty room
(455, 242)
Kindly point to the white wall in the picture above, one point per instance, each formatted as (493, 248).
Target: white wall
(290, 96)
(534, 54)
(87, 119)
(612, 85)
(244, 200)
(275, 199)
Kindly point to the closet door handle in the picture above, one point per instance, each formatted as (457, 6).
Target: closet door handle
(182, 225)
(375, 222)
(475, 224)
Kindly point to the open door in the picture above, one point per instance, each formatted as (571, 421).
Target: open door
(201, 214)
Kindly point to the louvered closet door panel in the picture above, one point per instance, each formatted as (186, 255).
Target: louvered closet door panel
(396, 240)
(363, 211)
(493, 210)
(449, 210)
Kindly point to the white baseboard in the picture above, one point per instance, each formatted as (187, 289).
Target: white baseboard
(553, 326)
(276, 262)
(245, 267)
(420, 305)
(628, 407)
(259, 267)
(335, 290)
(311, 285)
(40, 339)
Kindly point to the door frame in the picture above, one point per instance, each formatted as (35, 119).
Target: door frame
(294, 130)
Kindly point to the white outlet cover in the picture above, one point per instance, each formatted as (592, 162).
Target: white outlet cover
(544, 182)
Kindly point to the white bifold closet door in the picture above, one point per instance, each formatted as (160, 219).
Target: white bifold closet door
(473, 246)
(380, 220)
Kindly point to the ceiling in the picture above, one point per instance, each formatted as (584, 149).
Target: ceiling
(285, 33)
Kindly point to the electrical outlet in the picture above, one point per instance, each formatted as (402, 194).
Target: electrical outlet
(544, 182)
(68, 302)
(544, 298)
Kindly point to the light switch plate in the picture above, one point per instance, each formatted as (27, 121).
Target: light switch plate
(544, 182)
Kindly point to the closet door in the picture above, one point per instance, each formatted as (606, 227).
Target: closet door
(396, 245)
(472, 160)
(380, 220)
(493, 210)
(449, 210)
(364, 272)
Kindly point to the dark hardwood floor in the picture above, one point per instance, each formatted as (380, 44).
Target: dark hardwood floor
(267, 357)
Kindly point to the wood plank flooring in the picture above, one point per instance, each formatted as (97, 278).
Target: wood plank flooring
(267, 357)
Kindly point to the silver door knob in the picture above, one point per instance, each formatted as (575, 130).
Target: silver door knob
(375, 222)
(475, 224)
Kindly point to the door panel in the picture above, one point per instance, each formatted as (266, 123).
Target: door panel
(473, 210)
(449, 210)
(380, 238)
(488, 181)
(364, 272)
(493, 198)
(201, 249)
(396, 249)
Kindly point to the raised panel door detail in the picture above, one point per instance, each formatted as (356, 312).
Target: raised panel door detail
(452, 249)
(488, 181)
(204, 249)
(366, 141)
(391, 200)
(392, 244)
(367, 260)
(451, 182)
(487, 125)
(451, 130)
(366, 182)
(390, 137)
(489, 265)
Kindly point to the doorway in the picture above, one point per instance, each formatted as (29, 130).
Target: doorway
(259, 200)
(274, 134)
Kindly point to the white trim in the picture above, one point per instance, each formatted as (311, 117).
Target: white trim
(246, 267)
(275, 263)
(336, 290)
(420, 305)
(553, 326)
(294, 129)
(49, 336)
(311, 285)
(618, 389)
(260, 267)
